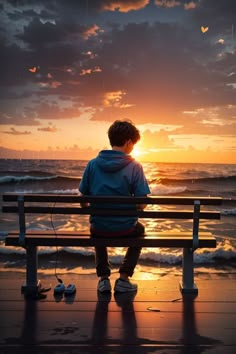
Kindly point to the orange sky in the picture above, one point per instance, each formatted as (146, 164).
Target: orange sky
(70, 69)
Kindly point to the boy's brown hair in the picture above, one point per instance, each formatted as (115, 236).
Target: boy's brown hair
(121, 131)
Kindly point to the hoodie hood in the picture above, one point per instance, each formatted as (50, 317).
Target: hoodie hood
(112, 160)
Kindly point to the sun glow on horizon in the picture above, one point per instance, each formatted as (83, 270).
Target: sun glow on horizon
(138, 151)
(135, 152)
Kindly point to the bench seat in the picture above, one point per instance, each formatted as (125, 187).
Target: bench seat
(72, 238)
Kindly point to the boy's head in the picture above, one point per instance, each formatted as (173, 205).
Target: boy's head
(121, 132)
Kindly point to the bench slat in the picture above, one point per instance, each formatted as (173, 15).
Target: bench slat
(64, 238)
(73, 198)
(113, 212)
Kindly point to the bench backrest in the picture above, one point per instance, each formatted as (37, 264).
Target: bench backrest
(25, 203)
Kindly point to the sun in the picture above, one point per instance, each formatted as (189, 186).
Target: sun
(136, 152)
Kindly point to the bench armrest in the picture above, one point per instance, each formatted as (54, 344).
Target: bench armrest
(196, 216)
(21, 207)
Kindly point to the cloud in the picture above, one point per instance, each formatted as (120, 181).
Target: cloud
(113, 99)
(13, 131)
(49, 129)
(38, 33)
(68, 152)
(190, 6)
(149, 71)
(167, 3)
(90, 71)
(55, 112)
(31, 115)
(221, 41)
(92, 31)
(210, 121)
(51, 84)
(157, 140)
(169, 73)
(25, 117)
(123, 5)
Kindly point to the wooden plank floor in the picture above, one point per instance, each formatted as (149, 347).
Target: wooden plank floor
(156, 320)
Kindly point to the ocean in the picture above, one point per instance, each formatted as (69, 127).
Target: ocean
(63, 176)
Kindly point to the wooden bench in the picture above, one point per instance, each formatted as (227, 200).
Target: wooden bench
(24, 204)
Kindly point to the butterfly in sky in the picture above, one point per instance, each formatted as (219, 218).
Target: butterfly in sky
(33, 69)
(204, 29)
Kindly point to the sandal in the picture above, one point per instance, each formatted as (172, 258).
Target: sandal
(59, 288)
(70, 289)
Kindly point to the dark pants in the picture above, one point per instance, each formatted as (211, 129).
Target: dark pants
(130, 260)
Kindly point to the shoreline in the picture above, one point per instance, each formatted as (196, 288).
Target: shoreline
(85, 268)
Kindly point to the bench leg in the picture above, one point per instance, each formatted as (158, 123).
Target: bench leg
(32, 285)
(187, 286)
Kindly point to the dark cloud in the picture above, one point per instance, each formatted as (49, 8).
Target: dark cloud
(147, 71)
(20, 116)
(38, 34)
(215, 12)
(27, 115)
(18, 15)
(53, 111)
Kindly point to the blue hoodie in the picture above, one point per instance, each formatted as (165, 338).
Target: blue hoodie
(113, 173)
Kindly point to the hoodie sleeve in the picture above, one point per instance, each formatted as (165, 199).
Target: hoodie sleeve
(140, 185)
(84, 183)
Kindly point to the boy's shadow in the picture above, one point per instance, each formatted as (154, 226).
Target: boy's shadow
(129, 329)
(127, 337)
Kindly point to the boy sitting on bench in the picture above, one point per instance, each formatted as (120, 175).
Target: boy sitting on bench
(115, 172)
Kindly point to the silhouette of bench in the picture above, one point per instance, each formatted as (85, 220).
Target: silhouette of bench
(24, 204)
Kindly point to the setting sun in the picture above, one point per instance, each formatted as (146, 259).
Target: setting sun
(136, 152)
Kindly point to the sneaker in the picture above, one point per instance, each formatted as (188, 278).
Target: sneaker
(104, 297)
(125, 300)
(104, 285)
(124, 286)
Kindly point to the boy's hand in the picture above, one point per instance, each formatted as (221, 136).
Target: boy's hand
(141, 206)
(84, 205)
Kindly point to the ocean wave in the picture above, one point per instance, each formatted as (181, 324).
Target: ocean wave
(52, 191)
(160, 189)
(11, 179)
(26, 178)
(228, 212)
(30, 176)
(225, 252)
(213, 179)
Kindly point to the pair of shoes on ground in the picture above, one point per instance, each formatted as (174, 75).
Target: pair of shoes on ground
(121, 286)
(61, 289)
